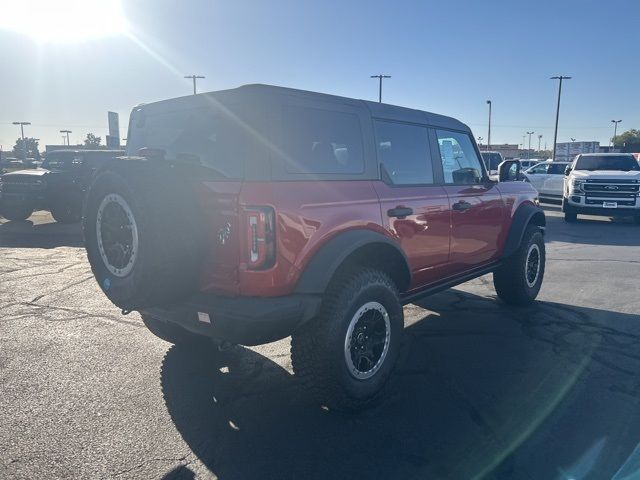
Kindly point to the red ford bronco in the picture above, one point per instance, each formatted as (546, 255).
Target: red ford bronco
(252, 214)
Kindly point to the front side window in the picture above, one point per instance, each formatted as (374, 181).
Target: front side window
(403, 150)
(321, 141)
(539, 169)
(460, 162)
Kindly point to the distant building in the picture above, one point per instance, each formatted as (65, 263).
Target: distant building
(565, 151)
(507, 150)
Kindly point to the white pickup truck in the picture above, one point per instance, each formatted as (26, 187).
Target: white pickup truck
(605, 184)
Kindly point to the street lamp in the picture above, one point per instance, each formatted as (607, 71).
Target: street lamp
(489, 132)
(555, 134)
(479, 141)
(529, 150)
(67, 132)
(194, 77)
(24, 145)
(380, 77)
(615, 132)
(539, 140)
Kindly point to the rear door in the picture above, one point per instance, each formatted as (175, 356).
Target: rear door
(477, 211)
(414, 209)
(554, 180)
(537, 175)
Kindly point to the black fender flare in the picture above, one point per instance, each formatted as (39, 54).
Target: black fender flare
(325, 263)
(525, 214)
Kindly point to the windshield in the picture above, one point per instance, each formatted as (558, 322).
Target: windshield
(608, 162)
(491, 160)
(62, 161)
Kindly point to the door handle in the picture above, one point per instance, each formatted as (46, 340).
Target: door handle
(461, 206)
(400, 212)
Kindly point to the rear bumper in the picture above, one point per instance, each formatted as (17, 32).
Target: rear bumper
(241, 320)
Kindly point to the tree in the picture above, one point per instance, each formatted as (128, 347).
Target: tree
(628, 141)
(92, 140)
(29, 146)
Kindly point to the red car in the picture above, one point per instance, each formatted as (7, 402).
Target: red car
(252, 214)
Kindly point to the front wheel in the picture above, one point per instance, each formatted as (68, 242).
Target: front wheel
(346, 355)
(518, 280)
(16, 211)
(570, 215)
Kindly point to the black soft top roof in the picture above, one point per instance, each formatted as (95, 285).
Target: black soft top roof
(270, 93)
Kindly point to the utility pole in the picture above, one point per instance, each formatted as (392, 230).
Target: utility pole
(529, 151)
(539, 140)
(489, 132)
(555, 134)
(380, 77)
(615, 133)
(67, 132)
(24, 145)
(194, 77)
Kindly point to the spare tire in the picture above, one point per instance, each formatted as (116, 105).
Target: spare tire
(143, 233)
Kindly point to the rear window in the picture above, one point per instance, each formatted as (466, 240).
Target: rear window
(607, 162)
(321, 141)
(62, 161)
(208, 137)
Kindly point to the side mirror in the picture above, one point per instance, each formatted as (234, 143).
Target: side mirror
(567, 170)
(509, 171)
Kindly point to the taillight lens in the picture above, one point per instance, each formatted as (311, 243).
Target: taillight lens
(261, 245)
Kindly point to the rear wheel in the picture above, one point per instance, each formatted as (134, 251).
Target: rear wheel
(518, 280)
(346, 355)
(16, 211)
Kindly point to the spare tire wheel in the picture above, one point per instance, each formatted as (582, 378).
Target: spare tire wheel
(143, 235)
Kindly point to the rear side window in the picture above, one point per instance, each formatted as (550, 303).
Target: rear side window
(321, 141)
(539, 169)
(403, 150)
(460, 162)
(200, 136)
(557, 169)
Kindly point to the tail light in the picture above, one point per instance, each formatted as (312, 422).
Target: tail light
(261, 245)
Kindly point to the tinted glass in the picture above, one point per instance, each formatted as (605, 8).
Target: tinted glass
(321, 141)
(200, 136)
(459, 160)
(557, 169)
(491, 160)
(608, 162)
(404, 151)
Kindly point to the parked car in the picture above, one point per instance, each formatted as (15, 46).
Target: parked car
(252, 214)
(548, 179)
(59, 186)
(605, 184)
(527, 164)
(491, 161)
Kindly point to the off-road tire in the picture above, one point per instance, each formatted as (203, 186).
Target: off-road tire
(64, 211)
(510, 280)
(170, 231)
(172, 333)
(318, 349)
(15, 211)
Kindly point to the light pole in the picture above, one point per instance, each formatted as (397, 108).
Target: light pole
(529, 150)
(194, 77)
(555, 134)
(67, 132)
(615, 132)
(523, 144)
(479, 141)
(380, 77)
(489, 130)
(24, 145)
(539, 140)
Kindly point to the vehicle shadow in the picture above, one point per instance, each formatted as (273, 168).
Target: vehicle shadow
(481, 391)
(617, 231)
(27, 234)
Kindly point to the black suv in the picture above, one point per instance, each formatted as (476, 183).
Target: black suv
(59, 186)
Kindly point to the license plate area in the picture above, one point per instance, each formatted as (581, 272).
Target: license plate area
(610, 204)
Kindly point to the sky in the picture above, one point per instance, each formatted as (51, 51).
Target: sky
(62, 71)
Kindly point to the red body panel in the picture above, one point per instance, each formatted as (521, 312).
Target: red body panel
(438, 241)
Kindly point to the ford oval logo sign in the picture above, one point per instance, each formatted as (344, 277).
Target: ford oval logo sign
(611, 187)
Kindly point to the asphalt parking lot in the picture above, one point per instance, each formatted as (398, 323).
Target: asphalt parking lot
(481, 390)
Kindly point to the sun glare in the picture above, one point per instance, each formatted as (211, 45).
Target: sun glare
(63, 20)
